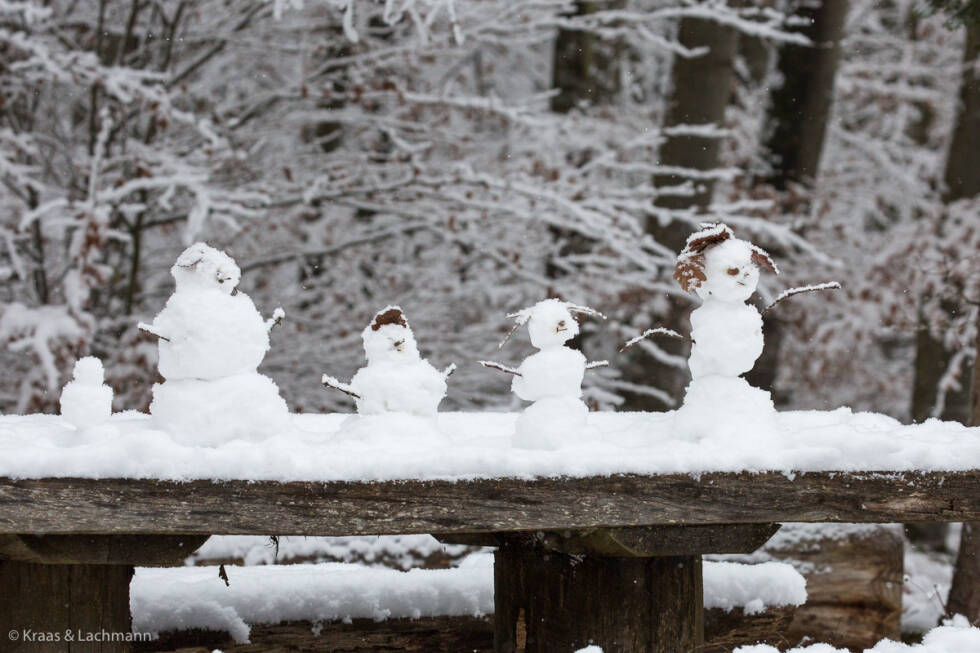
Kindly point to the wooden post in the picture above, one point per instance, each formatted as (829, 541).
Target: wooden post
(628, 590)
(49, 608)
(70, 593)
(549, 601)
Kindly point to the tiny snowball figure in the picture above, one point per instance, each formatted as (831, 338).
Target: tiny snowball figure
(551, 378)
(86, 400)
(396, 378)
(211, 341)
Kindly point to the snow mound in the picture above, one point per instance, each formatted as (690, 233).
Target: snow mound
(194, 597)
(479, 445)
(954, 636)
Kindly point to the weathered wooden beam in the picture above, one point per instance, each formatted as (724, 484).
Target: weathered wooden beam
(144, 550)
(636, 541)
(105, 506)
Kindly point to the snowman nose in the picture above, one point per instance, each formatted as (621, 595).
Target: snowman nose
(733, 271)
(399, 344)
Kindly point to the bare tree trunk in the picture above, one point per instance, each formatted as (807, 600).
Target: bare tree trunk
(964, 595)
(963, 180)
(798, 114)
(584, 67)
(801, 106)
(701, 88)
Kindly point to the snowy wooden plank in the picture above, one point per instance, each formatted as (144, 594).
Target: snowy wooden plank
(72, 505)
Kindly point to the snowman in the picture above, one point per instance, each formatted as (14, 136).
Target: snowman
(86, 401)
(211, 341)
(396, 378)
(727, 338)
(551, 378)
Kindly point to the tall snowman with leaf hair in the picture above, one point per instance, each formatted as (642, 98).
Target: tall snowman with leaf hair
(727, 336)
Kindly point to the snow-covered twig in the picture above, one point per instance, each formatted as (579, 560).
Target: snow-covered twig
(147, 328)
(596, 364)
(448, 371)
(277, 317)
(661, 331)
(830, 285)
(499, 366)
(335, 384)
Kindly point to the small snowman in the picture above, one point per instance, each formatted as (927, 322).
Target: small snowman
(86, 400)
(211, 341)
(727, 335)
(396, 378)
(551, 378)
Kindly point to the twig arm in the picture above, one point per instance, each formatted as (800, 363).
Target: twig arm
(500, 367)
(786, 294)
(148, 328)
(596, 364)
(277, 316)
(448, 371)
(659, 331)
(335, 384)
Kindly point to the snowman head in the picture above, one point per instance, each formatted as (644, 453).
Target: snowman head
(202, 266)
(716, 265)
(389, 339)
(550, 322)
(88, 371)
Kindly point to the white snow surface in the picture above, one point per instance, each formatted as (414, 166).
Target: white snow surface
(479, 445)
(954, 636)
(194, 597)
(401, 551)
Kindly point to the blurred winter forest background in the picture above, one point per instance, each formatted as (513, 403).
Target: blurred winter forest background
(466, 158)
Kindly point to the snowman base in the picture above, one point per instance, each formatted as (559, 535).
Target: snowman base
(395, 428)
(552, 423)
(210, 413)
(726, 408)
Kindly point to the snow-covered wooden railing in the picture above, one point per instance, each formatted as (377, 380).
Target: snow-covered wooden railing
(70, 541)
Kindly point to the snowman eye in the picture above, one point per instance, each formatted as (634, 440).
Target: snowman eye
(733, 271)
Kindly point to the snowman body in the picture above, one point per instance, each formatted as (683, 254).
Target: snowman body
(85, 400)
(207, 332)
(727, 340)
(396, 379)
(211, 344)
(552, 379)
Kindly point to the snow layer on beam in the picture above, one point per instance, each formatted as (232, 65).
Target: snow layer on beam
(194, 597)
(478, 445)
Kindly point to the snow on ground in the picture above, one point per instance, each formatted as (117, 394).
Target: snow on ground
(928, 576)
(955, 636)
(471, 445)
(401, 551)
(194, 597)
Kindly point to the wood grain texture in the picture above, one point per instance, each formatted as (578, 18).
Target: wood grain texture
(145, 550)
(547, 602)
(83, 600)
(105, 506)
(854, 588)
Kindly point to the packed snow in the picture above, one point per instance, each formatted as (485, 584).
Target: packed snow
(398, 551)
(954, 636)
(86, 400)
(479, 445)
(194, 597)
(551, 378)
(396, 378)
(211, 342)
(216, 417)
